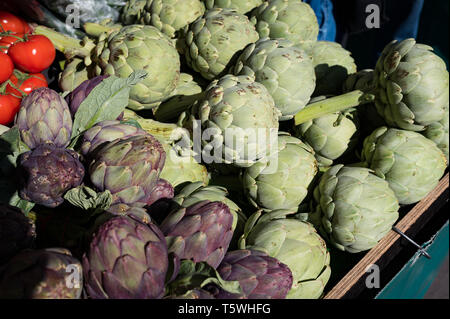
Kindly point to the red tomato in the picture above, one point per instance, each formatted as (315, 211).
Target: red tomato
(34, 55)
(26, 27)
(9, 22)
(33, 82)
(6, 67)
(7, 41)
(9, 106)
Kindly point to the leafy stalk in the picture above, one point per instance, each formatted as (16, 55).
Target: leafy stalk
(69, 46)
(333, 105)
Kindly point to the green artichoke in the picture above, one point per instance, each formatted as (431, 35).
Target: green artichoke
(284, 69)
(294, 243)
(411, 163)
(128, 168)
(213, 41)
(240, 117)
(332, 64)
(412, 85)
(201, 232)
(139, 47)
(44, 117)
(185, 95)
(355, 208)
(282, 180)
(180, 169)
(438, 133)
(331, 136)
(75, 72)
(42, 274)
(240, 6)
(293, 20)
(126, 259)
(168, 16)
(121, 51)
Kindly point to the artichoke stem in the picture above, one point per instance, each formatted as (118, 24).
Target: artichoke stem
(95, 29)
(162, 131)
(333, 105)
(69, 46)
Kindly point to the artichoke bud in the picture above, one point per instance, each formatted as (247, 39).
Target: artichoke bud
(412, 85)
(42, 274)
(168, 16)
(44, 117)
(47, 173)
(282, 180)
(294, 243)
(410, 163)
(240, 6)
(213, 41)
(128, 168)
(355, 208)
(260, 276)
(284, 68)
(293, 20)
(127, 259)
(201, 232)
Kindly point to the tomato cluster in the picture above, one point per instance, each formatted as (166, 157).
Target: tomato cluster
(23, 56)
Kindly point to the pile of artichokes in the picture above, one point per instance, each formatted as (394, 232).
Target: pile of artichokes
(247, 152)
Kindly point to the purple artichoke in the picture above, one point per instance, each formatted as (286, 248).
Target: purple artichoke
(128, 168)
(136, 212)
(44, 117)
(17, 232)
(107, 131)
(77, 96)
(47, 173)
(126, 259)
(201, 232)
(42, 274)
(260, 276)
(163, 189)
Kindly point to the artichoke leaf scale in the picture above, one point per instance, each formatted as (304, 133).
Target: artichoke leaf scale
(129, 195)
(112, 283)
(197, 246)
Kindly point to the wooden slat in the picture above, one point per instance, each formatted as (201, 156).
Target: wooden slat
(378, 254)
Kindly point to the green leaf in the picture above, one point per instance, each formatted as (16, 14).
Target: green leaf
(105, 102)
(9, 195)
(86, 198)
(197, 275)
(24, 205)
(11, 147)
(131, 122)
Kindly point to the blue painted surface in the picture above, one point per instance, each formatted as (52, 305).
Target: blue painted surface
(325, 17)
(416, 277)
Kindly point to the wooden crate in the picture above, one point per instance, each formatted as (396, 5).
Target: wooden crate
(353, 283)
